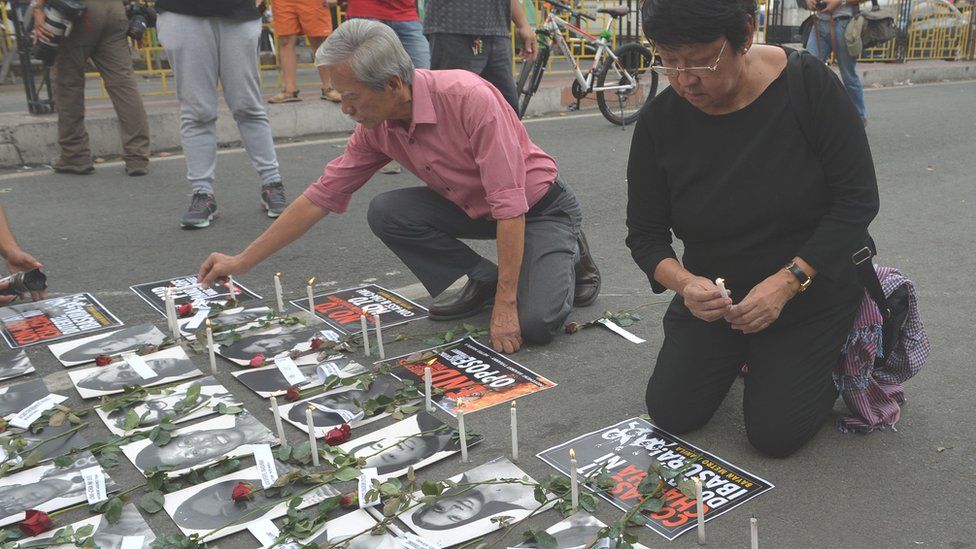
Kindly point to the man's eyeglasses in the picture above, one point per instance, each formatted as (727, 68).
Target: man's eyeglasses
(699, 72)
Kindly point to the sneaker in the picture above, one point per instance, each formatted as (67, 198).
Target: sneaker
(203, 210)
(133, 170)
(273, 198)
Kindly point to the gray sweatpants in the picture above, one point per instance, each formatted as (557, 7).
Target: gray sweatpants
(202, 52)
(424, 230)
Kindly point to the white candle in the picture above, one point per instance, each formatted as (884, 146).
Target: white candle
(720, 282)
(427, 384)
(277, 420)
(700, 507)
(231, 288)
(754, 531)
(311, 298)
(171, 314)
(312, 442)
(379, 336)
(464, 437)
(278, 299)
(362, 322)
(514, 432)
(573, 482)
(210, 348)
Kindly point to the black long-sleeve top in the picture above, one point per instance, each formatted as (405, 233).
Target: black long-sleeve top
(747, 191)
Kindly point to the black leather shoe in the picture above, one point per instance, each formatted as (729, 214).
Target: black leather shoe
(587, 276)
(473, 298)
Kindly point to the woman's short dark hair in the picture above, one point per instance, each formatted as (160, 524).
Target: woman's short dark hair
(678, 22)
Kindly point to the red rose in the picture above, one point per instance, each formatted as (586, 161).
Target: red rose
(336, 437)
(572, 328)
(184, 310)
(103, 360)
(257, 361)
(345, 428)
(293, 393)
(242, 491)
(317, 342)
(35, 523)
(349, 501)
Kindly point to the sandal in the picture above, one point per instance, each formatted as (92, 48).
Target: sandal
(284, 97)
(330, 94)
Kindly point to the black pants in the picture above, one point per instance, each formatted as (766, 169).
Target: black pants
(788, 391)
(493, 61)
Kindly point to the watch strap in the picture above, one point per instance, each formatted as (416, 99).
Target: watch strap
(800, 275)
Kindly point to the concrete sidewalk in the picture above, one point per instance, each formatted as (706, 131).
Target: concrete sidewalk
(27, 139)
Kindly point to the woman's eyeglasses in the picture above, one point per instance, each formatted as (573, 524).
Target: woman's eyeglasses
(699, 72)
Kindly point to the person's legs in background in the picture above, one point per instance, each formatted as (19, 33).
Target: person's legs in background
(411, 34)
(848, 68)
(498, 69)
(288, 64)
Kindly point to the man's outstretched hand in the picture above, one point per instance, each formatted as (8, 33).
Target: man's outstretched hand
(506, 333)
(218, 267)
(18, 261)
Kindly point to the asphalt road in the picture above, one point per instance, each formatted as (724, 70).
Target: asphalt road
(911, 488)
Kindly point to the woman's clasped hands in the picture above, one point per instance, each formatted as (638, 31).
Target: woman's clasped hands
(756, 312)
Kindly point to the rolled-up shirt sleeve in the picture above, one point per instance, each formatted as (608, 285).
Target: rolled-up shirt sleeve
(648, 207)
(497, 147)
(346, 174)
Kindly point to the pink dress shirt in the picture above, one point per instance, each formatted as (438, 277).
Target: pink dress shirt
(464, 141)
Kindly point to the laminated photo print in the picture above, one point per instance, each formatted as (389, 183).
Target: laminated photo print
(51, 441)
(14, 364)
(35, 322)
(201, 444)
(268, 380)
(274, 342)
(46, 488)
(14, 398)
(154, 408)
(84, 350)
(464, 513)
(186, 290)
(237, 319)
(579, 530)
(355, 530)
(205, 507)
(130, 532)
(417, 441)
(333, 408)
(162, 367)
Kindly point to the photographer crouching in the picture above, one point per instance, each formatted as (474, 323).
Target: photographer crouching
(25, 271)
(67, 33)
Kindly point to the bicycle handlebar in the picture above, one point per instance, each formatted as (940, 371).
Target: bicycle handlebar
(569, 9)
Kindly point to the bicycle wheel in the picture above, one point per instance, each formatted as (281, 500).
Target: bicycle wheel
(623, 106)
(529, 78)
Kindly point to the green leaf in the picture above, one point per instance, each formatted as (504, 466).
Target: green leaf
(113, 510)
(587, 502)
(302, 451)
(152, 502)
(545, 541)
(687, 487)
(132, 420)
(346, 474)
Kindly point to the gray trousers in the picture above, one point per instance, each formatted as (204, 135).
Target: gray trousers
(424, 230)
(492, 61)
(205, 51)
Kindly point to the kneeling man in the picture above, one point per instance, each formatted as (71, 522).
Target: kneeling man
(485, 179)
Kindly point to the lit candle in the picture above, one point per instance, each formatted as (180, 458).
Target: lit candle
(573, 482)
(311, 298)
(514, 432)
(720, 282)
(427, 383)
(379, 336)
(231, 288)
(210, 348)
(464, 437)
(312, 442)
(277, 420)
(362, 322)
(700, 507)
(278, 299)
(754, 529)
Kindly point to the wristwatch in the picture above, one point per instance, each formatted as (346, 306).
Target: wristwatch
(803, 277)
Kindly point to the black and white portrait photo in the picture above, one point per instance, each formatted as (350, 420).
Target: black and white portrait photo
(464, 513)
(579, 530)
(268, 343)
(236, 319)
(155, 407)
(186, 290)
(15, 398)
(205, 507)
(201, 444)
(84, 350)
(168, 365)
(107, 535)
(14, 364)
(268, 380)
(53, 441)
(415, 442)
(333, 408)
(45, 488)
(348, 528)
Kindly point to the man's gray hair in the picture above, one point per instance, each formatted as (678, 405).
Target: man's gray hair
(372, 50)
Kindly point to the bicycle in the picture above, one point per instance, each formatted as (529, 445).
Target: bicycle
(624, 68)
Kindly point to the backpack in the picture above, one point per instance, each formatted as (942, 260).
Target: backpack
(879, 26)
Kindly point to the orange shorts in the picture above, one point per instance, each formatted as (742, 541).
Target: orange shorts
(301, 17)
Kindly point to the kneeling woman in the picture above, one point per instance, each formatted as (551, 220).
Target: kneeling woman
(721, 160)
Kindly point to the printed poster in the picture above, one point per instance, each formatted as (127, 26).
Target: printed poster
(631, 446)
(86, 349)
(154, 408)
(46, 488)
(26, 324)
(471, 375)
(185, 290)
(333, 408)
(341, 309)
(162, 367)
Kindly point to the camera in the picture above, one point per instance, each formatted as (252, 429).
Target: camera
(141, 17)
(59, 16)
(24, 282)
(821, 6)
